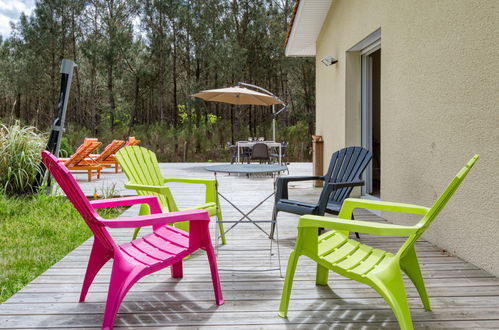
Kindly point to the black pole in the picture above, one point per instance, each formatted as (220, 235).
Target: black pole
(54, 143)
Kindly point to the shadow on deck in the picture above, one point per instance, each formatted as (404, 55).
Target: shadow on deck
(462, 295)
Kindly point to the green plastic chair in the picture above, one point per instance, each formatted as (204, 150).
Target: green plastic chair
(381, 270)
(142, 170)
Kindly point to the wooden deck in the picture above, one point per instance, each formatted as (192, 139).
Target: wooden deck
(462, 295)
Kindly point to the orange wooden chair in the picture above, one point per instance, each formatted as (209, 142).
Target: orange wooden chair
(132, 141)
(79, 160)
(85, 142)
(106, 157)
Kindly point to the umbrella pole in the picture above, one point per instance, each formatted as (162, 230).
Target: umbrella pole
(273, 122)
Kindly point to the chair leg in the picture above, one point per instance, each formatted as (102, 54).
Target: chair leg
(89, 175)
(220, 224)
(274, 222)
(116, 168)
(393, 291)
(321, 277)
(288, 284)
(98, 258)
(121, 282)
(144, 210)
(98, 174)
(356, 233)
(177, 270)
(215, 278)
(135, 233)
(184, 225)
(410, 265)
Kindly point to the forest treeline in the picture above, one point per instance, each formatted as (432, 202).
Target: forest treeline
(139, 62)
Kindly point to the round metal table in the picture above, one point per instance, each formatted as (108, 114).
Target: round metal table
(249, 169)
(246, 168)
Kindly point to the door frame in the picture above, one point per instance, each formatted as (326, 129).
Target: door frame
(366, 109)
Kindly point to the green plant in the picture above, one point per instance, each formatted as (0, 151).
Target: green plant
(20, 148)
(107, 191)
(198, 141)
(66, 149)
(37, 231)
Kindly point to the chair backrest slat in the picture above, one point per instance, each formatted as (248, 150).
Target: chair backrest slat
(439, 204)
(86, 141)
(346, 165)
(260, 151)
(132, 141)
(335, 164)
(140, 165)
(358, 162)
(75, 195)
(110, 150)
(82, 152)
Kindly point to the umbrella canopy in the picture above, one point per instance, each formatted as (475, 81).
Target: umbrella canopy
(238, 95)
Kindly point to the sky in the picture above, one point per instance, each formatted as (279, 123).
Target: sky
(10, 10)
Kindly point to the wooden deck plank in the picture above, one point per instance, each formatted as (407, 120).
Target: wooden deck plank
(462, 295)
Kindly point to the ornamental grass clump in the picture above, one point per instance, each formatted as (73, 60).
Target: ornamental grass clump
(20, 158)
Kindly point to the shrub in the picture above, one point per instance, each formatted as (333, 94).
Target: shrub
(66, 149)
(20, 157)
(37, 231)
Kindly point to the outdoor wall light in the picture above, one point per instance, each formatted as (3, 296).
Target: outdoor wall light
(329, 60)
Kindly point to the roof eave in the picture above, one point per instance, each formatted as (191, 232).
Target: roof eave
(296, 46)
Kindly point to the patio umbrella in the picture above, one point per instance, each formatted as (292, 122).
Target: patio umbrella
(237, 95)
(240, 95)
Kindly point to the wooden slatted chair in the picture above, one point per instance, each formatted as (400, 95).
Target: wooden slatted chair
(79, 160)
(166, 246)
(132, 141)
(86, 141)
(381, 270)
(142, 170)
(106, 158)
(344, 173)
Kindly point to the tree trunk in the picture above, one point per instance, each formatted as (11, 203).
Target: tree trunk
(78, 105)
(93, 96)
(135, 107)
(174, 75)
(162, 89)
(110, 89)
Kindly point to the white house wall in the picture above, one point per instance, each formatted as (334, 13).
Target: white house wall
(439, 106)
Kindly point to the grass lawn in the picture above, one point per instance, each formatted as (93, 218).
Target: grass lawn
(35, 233)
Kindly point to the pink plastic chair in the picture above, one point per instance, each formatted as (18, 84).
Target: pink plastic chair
(166, 246)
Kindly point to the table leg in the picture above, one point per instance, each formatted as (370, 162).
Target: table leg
(255, 222)
(246, 215)
(280, 154)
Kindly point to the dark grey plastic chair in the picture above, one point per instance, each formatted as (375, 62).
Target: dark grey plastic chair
(233, 151)
(260, 152)
(245, 153)
(274, 153)
(344, 173)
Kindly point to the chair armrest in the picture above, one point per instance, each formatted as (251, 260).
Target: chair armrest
(355, 203)
(366, 227)
(332, 186)
(339, 185)
(156, 219)
(300, 178)
(195, 181)
(152, 201)
(155, 189)
(211, 186)
(282, 184)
